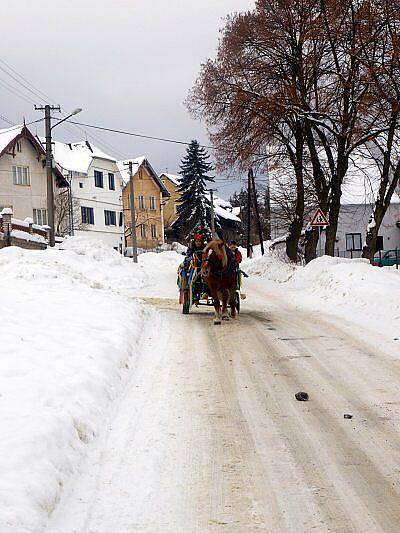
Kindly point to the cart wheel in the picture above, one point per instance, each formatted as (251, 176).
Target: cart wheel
(186, 302)
(237, 301)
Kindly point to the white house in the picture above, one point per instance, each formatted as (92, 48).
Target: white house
(356, 209)
(23, 181)
(96, 187)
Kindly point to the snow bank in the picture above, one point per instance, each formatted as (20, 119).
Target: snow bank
(269, 266)
(69, 333)
(353, 289)
(347, 288)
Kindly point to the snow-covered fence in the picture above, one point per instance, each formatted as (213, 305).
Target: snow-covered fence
(22, 233)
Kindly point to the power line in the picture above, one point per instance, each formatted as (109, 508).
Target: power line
(16, 92)
(5, 119)
(122, 132)
(25, 80)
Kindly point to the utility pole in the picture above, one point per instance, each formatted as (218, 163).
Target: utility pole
(133, 214)
(49, 162)
(248, 211)
(257, 212)
(49, 169)
(212, 214)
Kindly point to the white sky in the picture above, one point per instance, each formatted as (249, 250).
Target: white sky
(128, 63)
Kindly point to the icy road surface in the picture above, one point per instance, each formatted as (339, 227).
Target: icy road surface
(208, 435)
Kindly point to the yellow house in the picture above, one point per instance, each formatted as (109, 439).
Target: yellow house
(150, 193)
(171, 182)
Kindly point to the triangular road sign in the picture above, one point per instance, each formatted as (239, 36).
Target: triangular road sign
(319, 219)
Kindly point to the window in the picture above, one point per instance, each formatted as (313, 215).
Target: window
(143, 231)
(110, 218)
(80, 185)
(87, 215)
(19, 147)
(111, 181)
(20, 175)
(154, 231)
(353, 242)
(152, 203)
(98, 178)
(40, 217)
(379, 243)
(142, 204)
(121, 219)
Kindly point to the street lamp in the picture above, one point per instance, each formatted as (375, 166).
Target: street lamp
(49, 162)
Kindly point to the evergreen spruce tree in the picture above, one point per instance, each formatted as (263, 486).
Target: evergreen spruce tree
(194, 207)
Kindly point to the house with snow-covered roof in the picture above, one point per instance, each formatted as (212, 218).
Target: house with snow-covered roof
(228, 219)
(150, 196)
(171, 182)
(96, 190)
(357, 203)
(23, 180)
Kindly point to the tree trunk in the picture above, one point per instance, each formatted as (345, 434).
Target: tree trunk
(292, 240)
(296, 226)
(311, 242)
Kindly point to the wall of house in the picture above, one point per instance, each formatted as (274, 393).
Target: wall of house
(23, 198)
(85, 192)
(170, 214)
(145, 186)
(354, 219)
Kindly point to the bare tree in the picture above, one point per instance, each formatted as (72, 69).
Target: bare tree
(67, 213)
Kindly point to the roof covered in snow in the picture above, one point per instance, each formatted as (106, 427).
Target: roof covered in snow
(9, 137)
(175, 178)
(77, 156)
(137, 163)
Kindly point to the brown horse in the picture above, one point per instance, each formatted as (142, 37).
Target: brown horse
(219, 273)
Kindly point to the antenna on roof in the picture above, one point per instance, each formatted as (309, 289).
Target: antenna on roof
(24, 122)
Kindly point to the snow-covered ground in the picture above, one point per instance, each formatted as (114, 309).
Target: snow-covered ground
(70, 334)
(77, 333)
(346, 288)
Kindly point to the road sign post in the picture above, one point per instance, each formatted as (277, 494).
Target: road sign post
(319, 220)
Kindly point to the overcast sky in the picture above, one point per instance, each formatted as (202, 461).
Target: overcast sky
(128, 63)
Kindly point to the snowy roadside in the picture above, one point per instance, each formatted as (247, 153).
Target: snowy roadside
(69, 338)
(343, 288)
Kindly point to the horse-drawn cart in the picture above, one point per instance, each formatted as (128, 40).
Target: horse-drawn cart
(192, 288)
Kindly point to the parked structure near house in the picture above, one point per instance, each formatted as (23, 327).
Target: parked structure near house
(171, 182)
(23, 181)
(150, 193)
(96, 192)
(21, 233)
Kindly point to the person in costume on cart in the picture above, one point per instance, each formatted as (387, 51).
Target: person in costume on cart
(237, 254)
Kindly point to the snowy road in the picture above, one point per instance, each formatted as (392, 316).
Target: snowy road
(208, 435)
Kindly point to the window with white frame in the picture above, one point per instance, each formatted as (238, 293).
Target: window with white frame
(19, 146)
(154, 231)
(353, 242)
(111, 181)
(143, 231)
(40, 217)
(20, 175)
(152, 203)
(110, 218)
(87, 215)
(142, 203)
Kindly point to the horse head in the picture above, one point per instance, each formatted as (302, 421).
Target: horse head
(218, 247)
